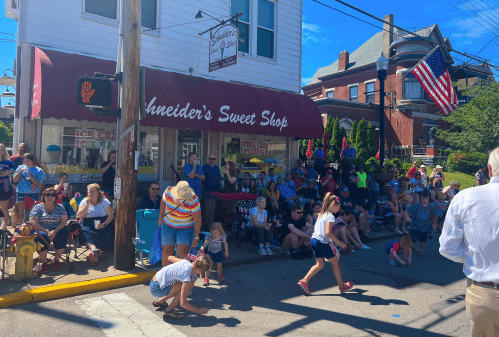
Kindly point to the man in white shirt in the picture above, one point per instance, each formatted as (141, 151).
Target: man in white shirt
(471, 236)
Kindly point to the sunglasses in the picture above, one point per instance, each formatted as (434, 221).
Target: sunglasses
(53, 195)
(212, 158)
(155, 188)
(299, 212)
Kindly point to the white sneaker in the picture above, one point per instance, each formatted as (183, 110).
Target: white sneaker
(405, 231)
(398, 231)
(365, 247)
(262, 251)
(269, 252)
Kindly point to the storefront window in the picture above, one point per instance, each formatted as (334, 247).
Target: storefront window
(253, 153)
(80, 148)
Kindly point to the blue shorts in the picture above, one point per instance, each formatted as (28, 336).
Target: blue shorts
(418, 235)
(171, 236)
(321, 249)
(157, 291)
(60, 239)
(34, 196)
(217, 257)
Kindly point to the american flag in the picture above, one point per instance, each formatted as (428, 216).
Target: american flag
(194, 253)
(434, 77)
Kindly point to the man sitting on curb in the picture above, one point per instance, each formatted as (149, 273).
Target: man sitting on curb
(295, 233)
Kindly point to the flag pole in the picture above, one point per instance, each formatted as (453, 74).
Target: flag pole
(417, 64)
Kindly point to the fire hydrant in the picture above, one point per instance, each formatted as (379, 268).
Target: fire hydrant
(24, 247)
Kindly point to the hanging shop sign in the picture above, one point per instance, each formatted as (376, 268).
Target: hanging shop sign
(254, 147)
(223, 47)
(95, 139)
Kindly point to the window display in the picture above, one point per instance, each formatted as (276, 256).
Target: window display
(253, 153)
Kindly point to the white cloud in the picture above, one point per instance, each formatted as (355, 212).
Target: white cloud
(473, 26)
(305, 80)
(311, 33)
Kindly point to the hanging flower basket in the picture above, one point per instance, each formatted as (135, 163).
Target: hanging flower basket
(384, 177)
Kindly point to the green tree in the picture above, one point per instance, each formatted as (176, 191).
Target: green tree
(361, 140)
(6, 133)
(475, 126)
(303, 147)
(353, 134)
(336, 139)
(372, 147)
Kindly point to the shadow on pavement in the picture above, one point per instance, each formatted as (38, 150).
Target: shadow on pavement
(357, 295)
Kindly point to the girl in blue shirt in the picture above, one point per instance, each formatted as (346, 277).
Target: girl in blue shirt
(6, 169)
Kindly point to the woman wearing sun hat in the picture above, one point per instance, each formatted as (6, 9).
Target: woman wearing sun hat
(180, 220)
(437, 173)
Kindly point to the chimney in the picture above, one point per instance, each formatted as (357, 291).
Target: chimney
(343, 60)
(387, 35)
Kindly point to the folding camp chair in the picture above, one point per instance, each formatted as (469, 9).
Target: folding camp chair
(242, 224)
(5, 237)
(146, 221)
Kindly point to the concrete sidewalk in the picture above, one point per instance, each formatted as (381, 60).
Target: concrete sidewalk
(85, 278)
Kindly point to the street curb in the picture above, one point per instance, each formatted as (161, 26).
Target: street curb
(53, 292)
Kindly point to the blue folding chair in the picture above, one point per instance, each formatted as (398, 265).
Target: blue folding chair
(146, 224)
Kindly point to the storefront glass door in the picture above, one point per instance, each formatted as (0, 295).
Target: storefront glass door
(188, 141)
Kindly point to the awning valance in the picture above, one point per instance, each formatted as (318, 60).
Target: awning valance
(177, 101)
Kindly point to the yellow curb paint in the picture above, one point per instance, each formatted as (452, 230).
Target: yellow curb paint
(19, 297)
(71, 289)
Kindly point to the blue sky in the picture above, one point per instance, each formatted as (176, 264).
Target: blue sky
(326, 32)
(469, 25)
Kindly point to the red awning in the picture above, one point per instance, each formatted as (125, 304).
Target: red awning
(178, 101)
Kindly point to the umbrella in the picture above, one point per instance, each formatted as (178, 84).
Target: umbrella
(272, 160)
(309, 150)
(326, 139)
(255, 160)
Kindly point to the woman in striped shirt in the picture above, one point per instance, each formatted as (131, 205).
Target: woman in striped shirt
(180, 221)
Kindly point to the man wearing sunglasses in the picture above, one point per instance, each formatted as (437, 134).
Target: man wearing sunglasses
(295, 233)
(212, 175)
(153, 199)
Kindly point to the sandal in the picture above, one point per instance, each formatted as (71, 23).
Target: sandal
(304, 286)
(156, 304)
(173, 314)
(97, 252)
(92, 259)
(346, 286)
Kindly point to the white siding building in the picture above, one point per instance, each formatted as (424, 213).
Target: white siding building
(60, 40)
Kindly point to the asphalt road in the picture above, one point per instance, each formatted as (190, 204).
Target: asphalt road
(425, 299)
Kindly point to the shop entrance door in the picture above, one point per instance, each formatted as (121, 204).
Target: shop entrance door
(188, 141)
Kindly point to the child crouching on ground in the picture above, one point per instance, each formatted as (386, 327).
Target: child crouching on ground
(402, 246)
(176, 280)
(214, 243)
(440, 206)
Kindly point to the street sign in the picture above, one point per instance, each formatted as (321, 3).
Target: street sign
(94, 92)
(223, 47)
(117, 188)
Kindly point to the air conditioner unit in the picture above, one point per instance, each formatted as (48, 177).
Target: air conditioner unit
(12, 9)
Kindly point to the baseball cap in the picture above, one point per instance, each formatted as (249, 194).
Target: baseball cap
(329, 171)
(482, 166)
(361, 166)
(345, 189)
(352, 167)
(311, 180)
(440, 167)
(422, 166)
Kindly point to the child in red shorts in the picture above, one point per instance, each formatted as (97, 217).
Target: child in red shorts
(402, 246)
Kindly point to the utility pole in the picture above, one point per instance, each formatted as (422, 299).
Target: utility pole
(129, 62)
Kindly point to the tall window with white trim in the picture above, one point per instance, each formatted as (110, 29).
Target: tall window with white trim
(265, 31)
(353, 93)
(104, 8)
(242, 6)
(370, 92)
(148, 14)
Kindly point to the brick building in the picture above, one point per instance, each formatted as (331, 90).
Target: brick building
(348, 89)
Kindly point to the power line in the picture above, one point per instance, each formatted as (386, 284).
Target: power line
(400, 28)
(494, 38)
(477, 12)
(470, 17)
(182, 24)
(494, 17)
(491, 8)
(8, 33)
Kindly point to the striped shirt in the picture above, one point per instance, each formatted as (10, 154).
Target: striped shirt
(180, 217)
(48, 220)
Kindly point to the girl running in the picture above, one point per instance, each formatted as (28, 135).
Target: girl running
(322, 246)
